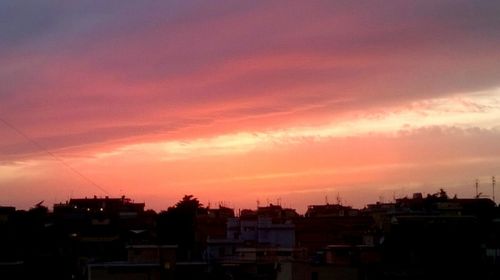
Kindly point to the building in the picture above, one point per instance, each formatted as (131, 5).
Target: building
(122, 206)
(152, 262)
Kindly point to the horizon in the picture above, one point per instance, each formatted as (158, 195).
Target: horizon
(265, 101)
(259, 204)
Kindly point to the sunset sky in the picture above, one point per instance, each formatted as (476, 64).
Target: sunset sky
(246, 101)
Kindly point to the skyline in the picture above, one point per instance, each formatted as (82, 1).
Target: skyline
(248, 101)
(221, 204)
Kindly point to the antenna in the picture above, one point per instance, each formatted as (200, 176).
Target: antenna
(493, 181)
(326, 199)
(477, 186)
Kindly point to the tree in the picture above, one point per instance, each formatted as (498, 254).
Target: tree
(188, 204)
(177, 226)
(443, 194)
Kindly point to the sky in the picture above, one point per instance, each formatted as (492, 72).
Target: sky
(244, 103)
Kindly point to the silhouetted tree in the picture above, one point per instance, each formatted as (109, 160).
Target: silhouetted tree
(188, 204)
(443, 194)
(177, 225)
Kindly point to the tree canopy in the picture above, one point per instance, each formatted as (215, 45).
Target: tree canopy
(189, 202)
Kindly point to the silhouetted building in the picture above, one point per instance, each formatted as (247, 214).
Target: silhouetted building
(422, 237)
(332, 224)
(153, 262)
(270, 226)
(330, 210)
(111, 206)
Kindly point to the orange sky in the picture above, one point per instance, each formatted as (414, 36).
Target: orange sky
(245, 102)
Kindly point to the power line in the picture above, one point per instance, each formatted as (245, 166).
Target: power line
(57, 158)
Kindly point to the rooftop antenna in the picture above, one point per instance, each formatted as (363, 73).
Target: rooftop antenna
(326, 199)
(339, 201)
(258, 203)
(477, 186)
(493, 181)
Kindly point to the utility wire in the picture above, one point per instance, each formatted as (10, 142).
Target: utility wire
(57, 158)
